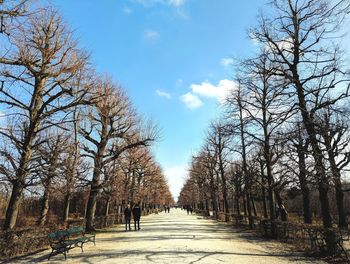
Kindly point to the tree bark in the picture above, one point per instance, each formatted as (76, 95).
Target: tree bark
(108, 200)
(91, 209)
(238, 206)
(44, 208)
(305, 191)
(254, 206)
(13, 206)
(317, 155)
(339, 194)
(67, 199)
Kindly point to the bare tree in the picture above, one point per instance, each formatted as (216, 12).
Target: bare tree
(40, 88)
(296, 160)
(334, 130)
(110, 128)
(9, 10)
(237, 125)
(295, 37)
(219, 141)
(49, 170)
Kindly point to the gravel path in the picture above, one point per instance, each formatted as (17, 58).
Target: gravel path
(176, 237)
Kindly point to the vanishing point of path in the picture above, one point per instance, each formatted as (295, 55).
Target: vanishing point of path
(176, 237)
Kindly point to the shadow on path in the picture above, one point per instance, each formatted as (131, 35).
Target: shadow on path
(165, 255)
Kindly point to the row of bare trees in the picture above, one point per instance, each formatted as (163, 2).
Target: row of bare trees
(63, 126)
(286, 123)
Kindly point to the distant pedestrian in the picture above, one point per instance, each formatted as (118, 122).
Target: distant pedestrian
(127, 216)
(136, 213)
(277, 210)
(284, 213)
(191, 209)
(188, 209)
(168, 208)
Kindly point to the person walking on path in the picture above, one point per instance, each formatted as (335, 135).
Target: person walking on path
(127, 216)
(136, 212)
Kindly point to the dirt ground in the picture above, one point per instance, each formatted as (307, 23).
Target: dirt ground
(176, 237)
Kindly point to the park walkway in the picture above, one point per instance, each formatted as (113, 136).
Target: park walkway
(176, 237)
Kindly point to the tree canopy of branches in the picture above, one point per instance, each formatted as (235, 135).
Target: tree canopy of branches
(286, 121)
(65, 130)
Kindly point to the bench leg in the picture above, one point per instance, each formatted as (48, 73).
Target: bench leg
(50, 255)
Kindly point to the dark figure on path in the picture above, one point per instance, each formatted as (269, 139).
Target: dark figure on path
(191, 209)
(127, 216)
(168, 209)
(284, 213)
(136, 212)
(188, 209)
(277, 210)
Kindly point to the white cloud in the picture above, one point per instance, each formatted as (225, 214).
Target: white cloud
(163, 94)
(191, 100)
(175, 3)
(219, 91)
(151, 35)
(176, 176)
(226, 62)
(127, 10)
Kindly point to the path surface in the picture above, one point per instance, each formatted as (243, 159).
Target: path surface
(177, 238)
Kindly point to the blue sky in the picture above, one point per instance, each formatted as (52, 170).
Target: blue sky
(173, 57)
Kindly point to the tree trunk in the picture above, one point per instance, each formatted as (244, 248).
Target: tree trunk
(263, 189)
(263, 194)
(207, 211)
(339, 194)
(215, 206)
(13, 206)
(306, 205)
(282, 210)
(301, 149)
(44, 207)
(238, 206)
(249, 209)
(107, 206)
(90, 210)
(323, 193)
(316, 152)
(254, 206)
(245, 206)
(67, 199)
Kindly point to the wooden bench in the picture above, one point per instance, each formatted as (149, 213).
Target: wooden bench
(64, 240)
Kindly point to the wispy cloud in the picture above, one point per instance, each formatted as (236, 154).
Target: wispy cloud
(226, 62)
(127, 10)
(175, 3)
(151, 35)
(163, 94)
(191, 100)
(179, 82)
